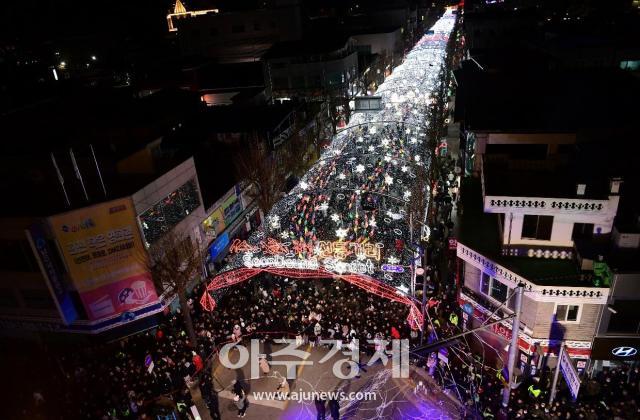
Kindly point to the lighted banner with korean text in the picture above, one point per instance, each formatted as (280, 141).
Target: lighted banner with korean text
(105, 257)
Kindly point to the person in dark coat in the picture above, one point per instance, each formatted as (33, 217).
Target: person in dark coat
(334, 409)
(320, 408)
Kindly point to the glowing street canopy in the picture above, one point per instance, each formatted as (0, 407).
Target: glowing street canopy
(347, 218)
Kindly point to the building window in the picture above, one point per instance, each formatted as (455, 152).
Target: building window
(567, 313)
(498, 290)
(170, 211)
(537, 227)
(494, 288)
(485, 282)
(582, 231)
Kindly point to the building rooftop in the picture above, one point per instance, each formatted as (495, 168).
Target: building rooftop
(309, 46)
(556, 178)
(479, 231)
(520, 100)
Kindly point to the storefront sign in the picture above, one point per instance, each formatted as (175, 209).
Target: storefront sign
(231, 208)
(570, 374)
(105, 257)
(624, 351)
(393, 268)
(214, 224)
(219, 245)
(616, 348)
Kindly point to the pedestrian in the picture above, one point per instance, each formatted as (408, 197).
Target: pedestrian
(264, 364)
(320, 408)
(240, 400)
(283, 388)
(334, 409)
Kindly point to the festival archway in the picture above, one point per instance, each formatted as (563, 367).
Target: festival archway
(230, 278)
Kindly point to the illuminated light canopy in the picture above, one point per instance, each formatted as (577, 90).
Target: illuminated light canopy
(347, 212)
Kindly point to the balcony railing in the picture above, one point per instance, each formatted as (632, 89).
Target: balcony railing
(597, 295)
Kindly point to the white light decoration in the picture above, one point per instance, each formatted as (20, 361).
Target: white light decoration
(394, 135)
(341, 233)
(274, 221)
(394, 216)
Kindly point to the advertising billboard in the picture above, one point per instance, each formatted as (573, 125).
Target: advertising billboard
(105, 257)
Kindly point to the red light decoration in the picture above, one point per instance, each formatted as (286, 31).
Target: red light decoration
(230, 278)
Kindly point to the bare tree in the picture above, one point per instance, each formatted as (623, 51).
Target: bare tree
(263, 170)
(294, 152)
(174, 261)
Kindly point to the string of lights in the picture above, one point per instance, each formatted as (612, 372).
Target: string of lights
(355, 198)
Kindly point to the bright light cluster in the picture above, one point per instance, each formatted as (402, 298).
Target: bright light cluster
(359, 189)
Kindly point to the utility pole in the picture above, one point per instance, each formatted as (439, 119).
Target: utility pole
(556, 374)
(513, 349)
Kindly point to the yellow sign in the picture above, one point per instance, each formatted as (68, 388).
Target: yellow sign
(100, 244)
(215, 222)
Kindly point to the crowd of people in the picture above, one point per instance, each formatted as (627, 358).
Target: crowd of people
(149, 373)
(144, 374)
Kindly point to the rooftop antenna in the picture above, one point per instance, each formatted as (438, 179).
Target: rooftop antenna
(78, 174)
(93, 153)
(60, 179)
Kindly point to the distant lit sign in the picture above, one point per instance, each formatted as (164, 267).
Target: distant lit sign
(624, 351)
(393, 268)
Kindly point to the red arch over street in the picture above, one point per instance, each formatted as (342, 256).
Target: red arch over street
(239, 275)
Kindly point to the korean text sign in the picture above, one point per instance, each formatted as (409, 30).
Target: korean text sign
(105, 258)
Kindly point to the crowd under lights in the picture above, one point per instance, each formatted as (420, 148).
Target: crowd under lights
(348, 216)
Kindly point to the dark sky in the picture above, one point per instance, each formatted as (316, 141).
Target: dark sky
(36, 21)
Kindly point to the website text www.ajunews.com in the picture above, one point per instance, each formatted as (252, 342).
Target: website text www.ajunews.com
(315, 395)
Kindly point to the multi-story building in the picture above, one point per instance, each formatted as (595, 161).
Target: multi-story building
(310, 68)
(519, 224)
(95, 178)
(236, 34)
(617, 337)
(534, 207)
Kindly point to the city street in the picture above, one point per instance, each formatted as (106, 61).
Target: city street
(388, 398)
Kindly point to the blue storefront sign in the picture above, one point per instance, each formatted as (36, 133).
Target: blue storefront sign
(391, 268)
(219, 245)
(52, 274)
